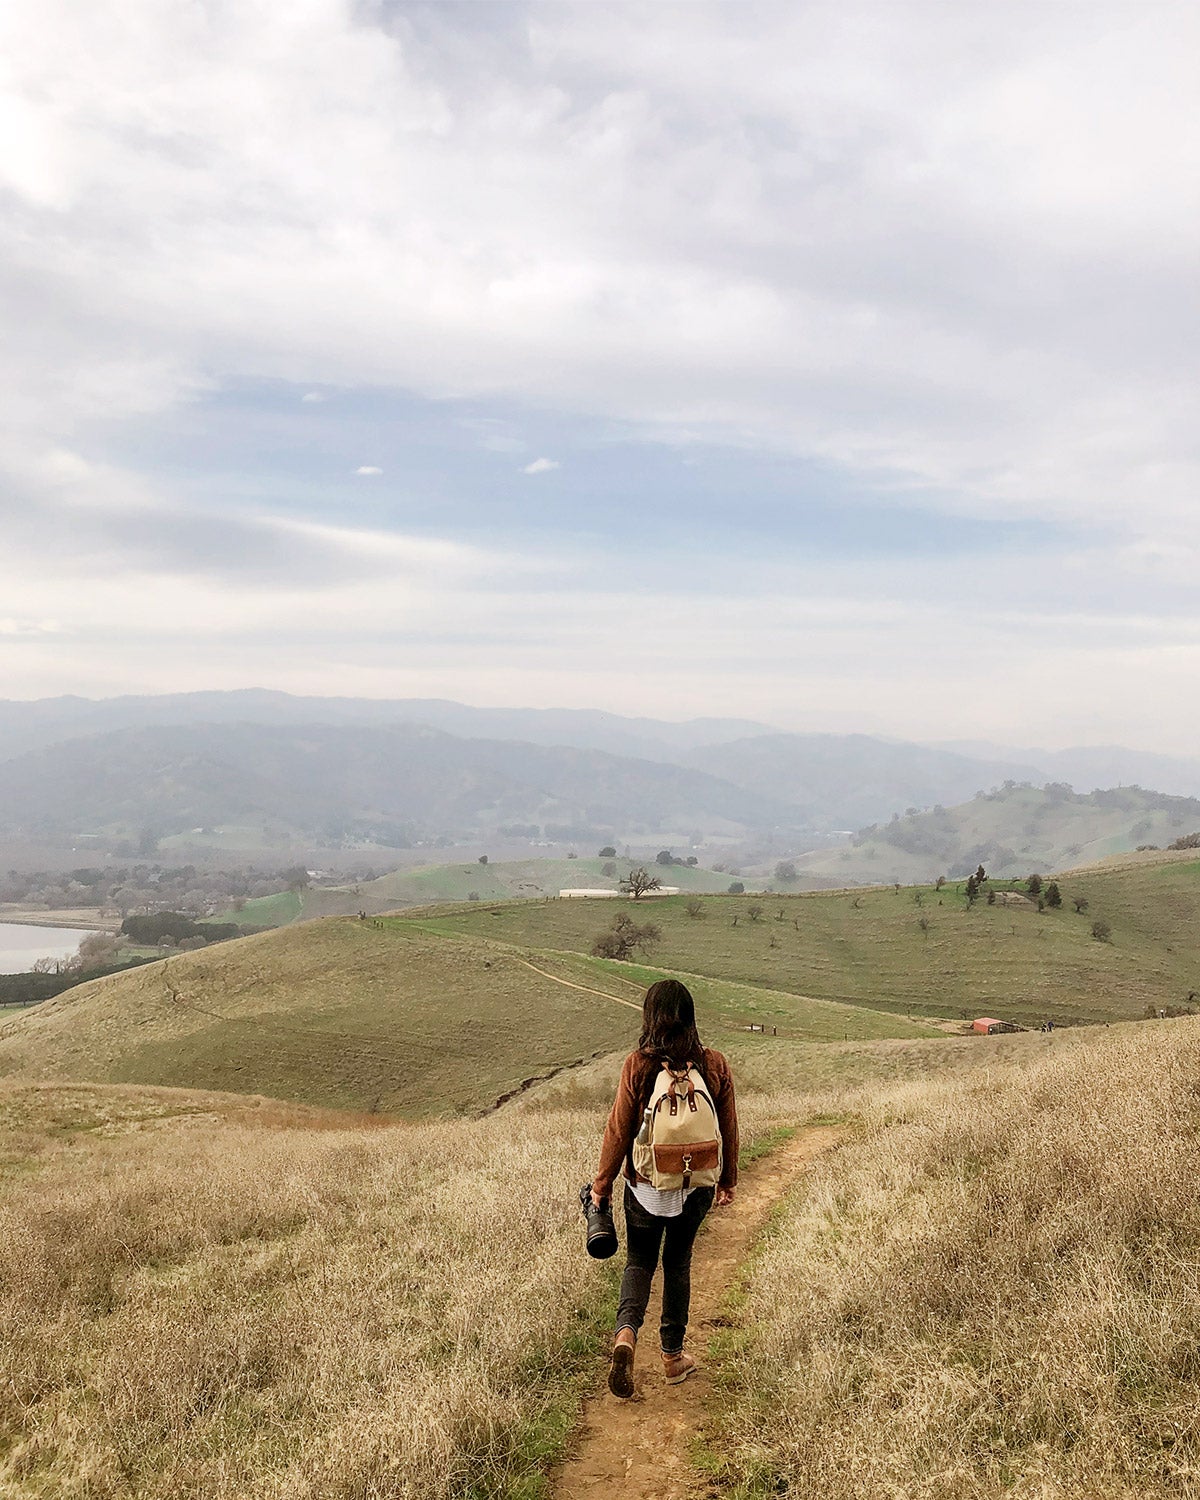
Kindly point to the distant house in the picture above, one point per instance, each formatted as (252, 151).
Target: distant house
(989, 1026)
(1014, 898)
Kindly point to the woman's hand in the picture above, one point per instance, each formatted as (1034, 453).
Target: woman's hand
(724, 1197)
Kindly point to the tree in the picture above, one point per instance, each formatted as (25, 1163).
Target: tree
(638, 882)
(1034, 884)
(625, 937)
(939, 882)
(736, 888)
(1053, 896)
(1080, 903)
(1101, 931)
(608, 869)
(695, 909)
(785, 870)
(664, 857)
(608, 852)
(483, 859)
(692, 861)
(754, 913)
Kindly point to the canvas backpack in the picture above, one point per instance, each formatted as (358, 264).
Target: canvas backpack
(679, 1144)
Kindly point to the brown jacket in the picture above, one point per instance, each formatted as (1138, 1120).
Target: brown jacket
(625, 1119)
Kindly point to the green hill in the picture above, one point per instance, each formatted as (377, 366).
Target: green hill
(1011, 831)
(454, 1007)
(376, 1015)
(868, 947)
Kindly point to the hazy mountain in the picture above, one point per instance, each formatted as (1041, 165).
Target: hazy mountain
(845, 780)
(47, 721)
(1088, 767)
(324, 782)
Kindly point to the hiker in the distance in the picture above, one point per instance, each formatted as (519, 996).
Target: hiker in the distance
(673, 1135)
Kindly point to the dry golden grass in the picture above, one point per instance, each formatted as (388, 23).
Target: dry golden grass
(995, 1292)
(244, 1312)
(209, 1298)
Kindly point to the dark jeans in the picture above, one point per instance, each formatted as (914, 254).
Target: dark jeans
(646, 1233)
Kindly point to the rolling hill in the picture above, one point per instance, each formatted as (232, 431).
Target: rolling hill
(376, 1015)
(458, 1006)
(868, 947)
(1012, 831)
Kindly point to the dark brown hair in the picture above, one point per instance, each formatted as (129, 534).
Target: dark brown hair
(669, 1025)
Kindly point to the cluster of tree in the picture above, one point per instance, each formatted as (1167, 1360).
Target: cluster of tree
(45, 983)
(154, 928)
(625, 938)
(1188, 841)
(145, 887)
(665, 857)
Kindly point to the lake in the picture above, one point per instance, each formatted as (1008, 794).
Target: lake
(21, 944)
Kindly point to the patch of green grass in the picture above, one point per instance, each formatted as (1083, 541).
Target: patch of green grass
(867, 948)
(265, 911)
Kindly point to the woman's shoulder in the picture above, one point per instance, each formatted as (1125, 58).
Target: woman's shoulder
(716, 1062)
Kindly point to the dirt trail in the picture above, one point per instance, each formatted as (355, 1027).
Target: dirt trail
(638, 1449)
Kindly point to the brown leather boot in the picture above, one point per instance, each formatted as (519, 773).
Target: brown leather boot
(620, 1372)
(677, 1367)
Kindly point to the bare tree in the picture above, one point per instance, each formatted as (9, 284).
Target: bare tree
(638, 882)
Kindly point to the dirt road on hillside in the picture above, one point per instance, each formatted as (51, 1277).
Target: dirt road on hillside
(638, 1449)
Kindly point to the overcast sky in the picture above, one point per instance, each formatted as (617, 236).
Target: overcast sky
(831, 365)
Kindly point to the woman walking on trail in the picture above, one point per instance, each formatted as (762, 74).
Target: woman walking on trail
(669, 1061)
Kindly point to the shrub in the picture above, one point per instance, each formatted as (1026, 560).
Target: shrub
(754, 913)
(695, 910)
(1101, 931)
(736, 888)
(625, 938)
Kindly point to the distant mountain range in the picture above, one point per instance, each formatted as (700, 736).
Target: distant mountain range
(332, 770)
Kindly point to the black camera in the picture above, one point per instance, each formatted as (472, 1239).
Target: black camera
(601, 1231)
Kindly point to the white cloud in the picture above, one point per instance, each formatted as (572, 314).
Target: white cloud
(540, 466)
(950, 254)
(948, 248)
(312, 398)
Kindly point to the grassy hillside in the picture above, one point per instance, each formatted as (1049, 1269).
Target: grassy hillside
(226, 1308)
(994, 1293)
(988, 1293)
(1012, 832)
(868, 948)
(378, 1015)
(451, 1008)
